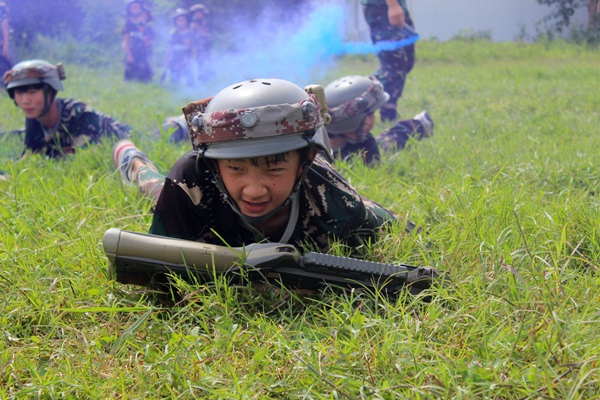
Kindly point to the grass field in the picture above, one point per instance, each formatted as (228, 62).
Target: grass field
(507, 194)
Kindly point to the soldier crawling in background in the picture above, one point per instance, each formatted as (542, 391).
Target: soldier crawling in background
(257, 171)
(137, 42)
(55, 126)
(352, 102)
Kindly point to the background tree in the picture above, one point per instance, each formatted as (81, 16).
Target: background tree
(565, 9)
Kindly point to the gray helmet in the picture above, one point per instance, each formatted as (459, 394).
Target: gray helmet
(350, 100)
(33, 72)
(255, 118)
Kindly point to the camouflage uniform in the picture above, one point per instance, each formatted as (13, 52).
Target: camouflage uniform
(395, 64)
(5, 63)
(78, 125)
(191, 206)
(397, 136)
(180, 60)
(393, 138)
(140, 35)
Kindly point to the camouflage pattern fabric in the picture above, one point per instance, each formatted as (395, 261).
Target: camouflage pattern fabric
(78, 125)
(394, 138)
(139, 69)
(367, 150)
(180, 58)
(251, 123)
(190, 207)
(395, 64)
(397, 136)
(359, 105)
(32, 73)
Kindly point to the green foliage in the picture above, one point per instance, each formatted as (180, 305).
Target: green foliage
(506, 193)
(559, 21)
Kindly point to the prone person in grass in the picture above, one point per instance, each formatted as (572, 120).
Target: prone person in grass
(54, 126)
(257, 172)
(352, 102)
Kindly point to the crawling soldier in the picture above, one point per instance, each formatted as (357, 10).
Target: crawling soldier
(256, 172)
(55, 126)
(352, 102)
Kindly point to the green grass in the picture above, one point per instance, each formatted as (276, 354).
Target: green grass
(506, 193)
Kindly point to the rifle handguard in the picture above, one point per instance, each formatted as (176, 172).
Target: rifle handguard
(146, 260)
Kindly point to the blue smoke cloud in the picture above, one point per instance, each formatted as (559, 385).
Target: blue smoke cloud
(299, 49)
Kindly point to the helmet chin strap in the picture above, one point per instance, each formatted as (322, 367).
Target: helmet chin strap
(218, 182)
(49, 95)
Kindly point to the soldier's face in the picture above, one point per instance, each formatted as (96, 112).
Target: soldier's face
(30, 99)
(258, 186)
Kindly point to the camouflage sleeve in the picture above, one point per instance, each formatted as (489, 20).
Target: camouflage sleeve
(177, 213)
(88, 127)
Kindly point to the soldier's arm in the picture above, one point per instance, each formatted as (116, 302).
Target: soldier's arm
(396, 15)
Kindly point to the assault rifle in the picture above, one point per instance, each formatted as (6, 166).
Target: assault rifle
(149, 260)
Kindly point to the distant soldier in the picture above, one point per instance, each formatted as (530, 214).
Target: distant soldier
(202, 40)
(179, 53)
(7, 53)
(387, 20)
(137, 42)
(352, 102)
(257, 172)
(55, 126)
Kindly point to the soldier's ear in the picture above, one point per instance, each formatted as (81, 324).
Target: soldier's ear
(313, 154)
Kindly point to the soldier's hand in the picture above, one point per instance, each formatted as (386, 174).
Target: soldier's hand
(396, 15)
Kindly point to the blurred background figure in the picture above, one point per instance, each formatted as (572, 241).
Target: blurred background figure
(202, 41)
(387, 20)
(179, 53)
(7, 51)
(137, 42)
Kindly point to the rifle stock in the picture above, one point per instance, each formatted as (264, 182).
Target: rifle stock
(147, 260)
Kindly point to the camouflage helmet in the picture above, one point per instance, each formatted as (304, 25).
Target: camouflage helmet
(351, 99)
(33, 72)
(256, 118)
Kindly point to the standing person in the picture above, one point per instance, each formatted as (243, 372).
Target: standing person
(179, 53)
(55, 126)
(387, 20)
(202, 40)
(256, 173)
(352, 102)
(7, 53)
(136, 43)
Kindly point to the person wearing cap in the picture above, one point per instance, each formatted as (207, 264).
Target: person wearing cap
(180, 49)
(56, 126)
(352, 102)
(258, 171)
(202, 41)
(137, 42)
